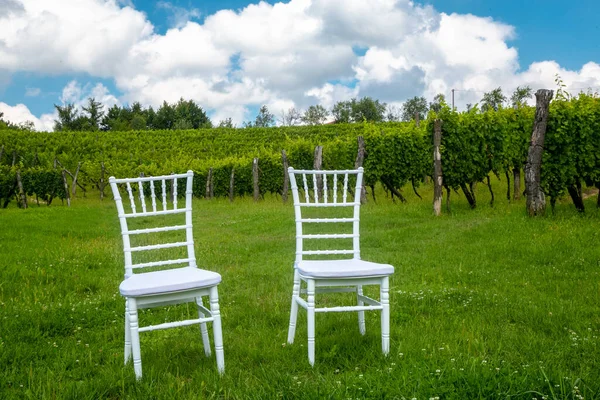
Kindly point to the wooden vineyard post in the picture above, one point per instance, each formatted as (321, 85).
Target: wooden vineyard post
(22, 194)
(67, 193)
(536, 200)
(74, 185)
(101, 184)
(286, 178)
(209, 185)
(437, 167)
(255, 179)
(360, 159)
(231, 180)
(516, 183)
(318, 165)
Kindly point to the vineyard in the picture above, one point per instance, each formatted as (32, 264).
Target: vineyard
(475, 146)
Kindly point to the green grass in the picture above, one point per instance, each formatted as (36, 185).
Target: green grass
(485, 303)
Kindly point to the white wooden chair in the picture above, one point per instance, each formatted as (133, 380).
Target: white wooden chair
(182, 281)
(325, 190)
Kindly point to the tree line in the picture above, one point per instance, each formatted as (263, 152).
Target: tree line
(187, 114)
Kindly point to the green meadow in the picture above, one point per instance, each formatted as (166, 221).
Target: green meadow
(485, 303)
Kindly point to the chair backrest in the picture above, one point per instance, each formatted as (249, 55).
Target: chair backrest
(323, 189)
(163, 201)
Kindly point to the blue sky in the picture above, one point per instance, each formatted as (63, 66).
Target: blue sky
(290, 54)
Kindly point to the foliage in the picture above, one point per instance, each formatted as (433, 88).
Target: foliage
(475, 145)
(493, 100)
(264, 119)
(291, 117)
(414, 106)
(520, 95)
(438, 102)
(315, 115)
(365, 109)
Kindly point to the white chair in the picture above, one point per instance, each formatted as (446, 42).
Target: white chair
(182, 281)
(327, 190)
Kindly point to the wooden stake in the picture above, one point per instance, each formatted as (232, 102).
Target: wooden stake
(286, 177)
(231, 185)
(517, 183)
(255, 179)
(360, 159)
(536, 200)
(67, 194)
(102, 184)
(438, 180)
(74, 185)
(318, 165)
(22, 194)
(209, 185)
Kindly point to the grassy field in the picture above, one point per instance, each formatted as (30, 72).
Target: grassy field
(485, 303)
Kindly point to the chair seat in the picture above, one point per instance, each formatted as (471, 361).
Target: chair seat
(342, 268)
(172, 280)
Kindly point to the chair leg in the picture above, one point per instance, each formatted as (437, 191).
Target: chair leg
(135, 337)
(310, 291)
(203, 328)
(361, 314)
(294, 308)
(127, 334)
(385, 315)
(217, 332)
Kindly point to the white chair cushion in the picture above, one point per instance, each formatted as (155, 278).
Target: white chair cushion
(172, 280)
(342, 268)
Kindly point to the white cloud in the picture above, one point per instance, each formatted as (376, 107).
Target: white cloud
(32, 92)
(64, 36)
(78, 95)
(179, 16)
(297, 53)
(20, 113)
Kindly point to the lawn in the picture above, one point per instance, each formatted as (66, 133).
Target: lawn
(485, 303)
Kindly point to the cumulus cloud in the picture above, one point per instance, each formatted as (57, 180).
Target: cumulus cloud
(78, 94)
(285, 54)
(20, 113)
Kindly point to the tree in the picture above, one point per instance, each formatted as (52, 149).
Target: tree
(189, 115)
(68, 118)
(165, 117)
(264, 118)
(291, 117)
(226, 123)
(367, 109)
(416, 105)
(315, 115)
(438, 102)
(95, 113)
(393, 113)
(341, 112)
(493, 100)
(520, 95)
